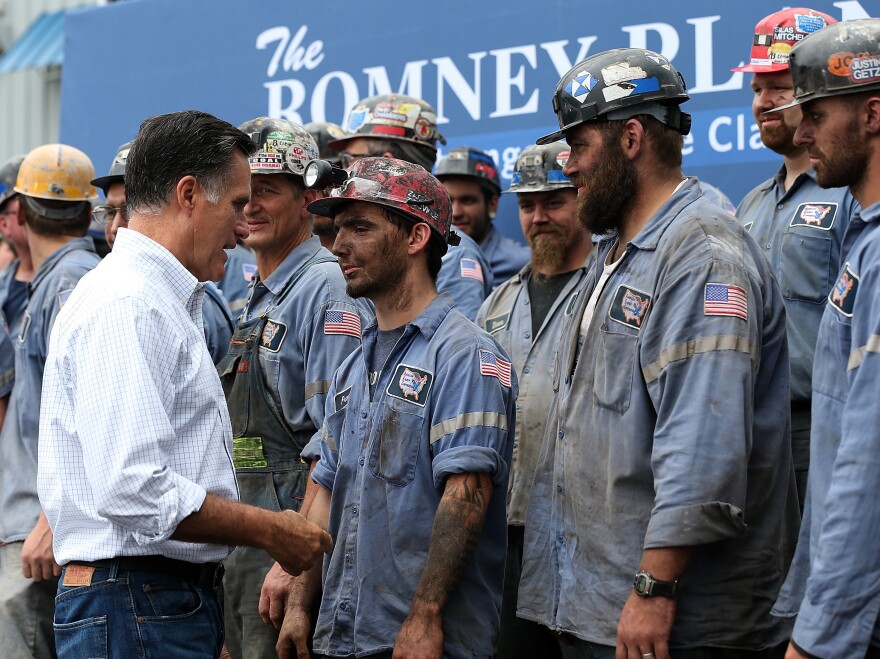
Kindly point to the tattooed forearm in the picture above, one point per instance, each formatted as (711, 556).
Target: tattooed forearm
(457, 528)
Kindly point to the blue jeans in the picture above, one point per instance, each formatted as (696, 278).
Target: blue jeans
(128, 613)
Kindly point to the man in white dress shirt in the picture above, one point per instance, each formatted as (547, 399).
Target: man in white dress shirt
(135, 468)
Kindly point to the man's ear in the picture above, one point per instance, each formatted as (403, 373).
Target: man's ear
(872, 115)
(308, 197)
(419, 237)
(185, 193)
(632, 138)
(493, 205)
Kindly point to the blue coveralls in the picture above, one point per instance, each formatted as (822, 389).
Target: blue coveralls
(386, 460)
(801, 231)
(669, 427)
(837, 562)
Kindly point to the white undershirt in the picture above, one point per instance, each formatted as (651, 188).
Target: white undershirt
(607, 270)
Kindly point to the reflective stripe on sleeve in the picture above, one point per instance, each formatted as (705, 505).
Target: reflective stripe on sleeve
(857, 356)
(318, 387)
(688, 349)
(468, 420)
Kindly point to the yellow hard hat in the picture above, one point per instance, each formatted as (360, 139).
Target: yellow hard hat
(56, 171)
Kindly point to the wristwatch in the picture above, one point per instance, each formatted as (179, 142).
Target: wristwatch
(647, 586)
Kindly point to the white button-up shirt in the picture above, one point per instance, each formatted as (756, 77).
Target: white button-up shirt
(134, 429)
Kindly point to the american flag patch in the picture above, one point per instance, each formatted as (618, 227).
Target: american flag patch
(491, 365)
(726, 300)
(342, 322)
(248, 270)
(472, 269)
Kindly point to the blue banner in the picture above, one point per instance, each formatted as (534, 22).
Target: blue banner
(489, 69)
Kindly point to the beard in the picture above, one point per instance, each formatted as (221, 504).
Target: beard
(385, 277)
(550, 246)
(779, 139)
(609, 189)
(846, 164)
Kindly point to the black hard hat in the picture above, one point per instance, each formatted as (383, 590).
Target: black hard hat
(8, 176)
(323, 133)
(836, 60)
(619, 84)
(467, 162)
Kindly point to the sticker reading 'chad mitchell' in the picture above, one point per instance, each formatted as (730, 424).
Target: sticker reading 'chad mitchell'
(629, 306)
(411, 384)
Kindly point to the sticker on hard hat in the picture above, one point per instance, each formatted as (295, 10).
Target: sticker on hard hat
(356, 118)
(779, 53)
(385, 112)
(839, 64)
(622, 72)
(562, 158)
(808, 23)
(624, 89)
(423, 129)
(279, 140)
(581, 85)
(267, 160)
(865, 68)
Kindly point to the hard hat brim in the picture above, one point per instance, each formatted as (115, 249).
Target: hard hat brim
(760, 68)
(551, 137)
(794, 103)
(104, 182)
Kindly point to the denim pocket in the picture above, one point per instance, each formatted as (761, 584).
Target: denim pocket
(82, 639)
(172, 599)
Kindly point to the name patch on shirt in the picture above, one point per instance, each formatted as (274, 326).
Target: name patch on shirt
(843, 295)
(411, 384)
(471, 269)
(340, 400)
(496, 323)
(629, 306)
(815, 214)
(273, 335)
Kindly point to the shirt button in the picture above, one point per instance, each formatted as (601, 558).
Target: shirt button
(354, 510)
(527, 335)
(561, 434)
(361, 462)
(526, 302)
(518, 407)
(768, 245)
(343, 606)
(559, 539)
(780, 206)
(364, 414)
(566, 379)
(526, 369)
(348, 558)
(559, 487)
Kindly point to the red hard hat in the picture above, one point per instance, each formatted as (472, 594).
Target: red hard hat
(402, 186)
(776, 34)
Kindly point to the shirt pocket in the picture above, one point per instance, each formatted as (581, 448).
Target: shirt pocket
(612, 384)
(806, 272)
(395, 450)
